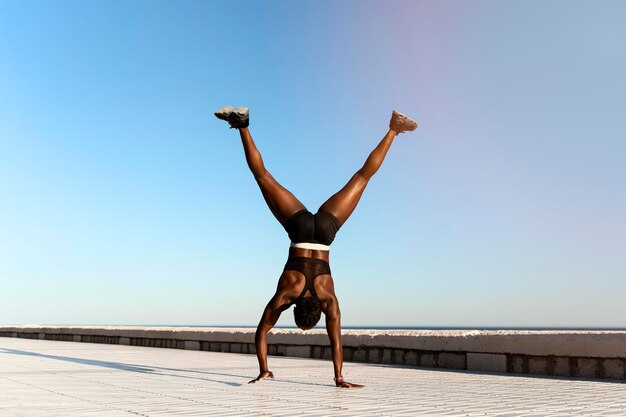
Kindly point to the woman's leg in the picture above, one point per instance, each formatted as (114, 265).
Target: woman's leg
(343, 203)
(281, 202)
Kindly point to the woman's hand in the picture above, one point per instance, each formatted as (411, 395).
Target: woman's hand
(262, 376)
(341, 383)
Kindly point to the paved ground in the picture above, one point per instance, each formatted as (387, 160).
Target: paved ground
(45, 378)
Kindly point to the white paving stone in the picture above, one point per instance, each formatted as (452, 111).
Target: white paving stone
(45, 378)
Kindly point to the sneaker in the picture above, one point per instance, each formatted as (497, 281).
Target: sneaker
(400, 123)
(237, 118)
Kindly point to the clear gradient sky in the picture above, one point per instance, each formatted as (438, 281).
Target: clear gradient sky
(124, 201)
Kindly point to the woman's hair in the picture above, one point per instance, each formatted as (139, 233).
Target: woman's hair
(307, 312)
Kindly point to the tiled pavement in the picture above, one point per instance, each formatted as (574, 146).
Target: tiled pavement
(45, 378)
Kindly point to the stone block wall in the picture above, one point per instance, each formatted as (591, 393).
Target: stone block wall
(585, 355)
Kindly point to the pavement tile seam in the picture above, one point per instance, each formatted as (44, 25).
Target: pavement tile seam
(65, 395)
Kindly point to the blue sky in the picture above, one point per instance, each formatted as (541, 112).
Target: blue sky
(124, 201)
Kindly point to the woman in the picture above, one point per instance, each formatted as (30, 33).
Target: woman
(306, 280)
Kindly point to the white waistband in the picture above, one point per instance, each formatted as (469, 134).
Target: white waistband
(312, 246)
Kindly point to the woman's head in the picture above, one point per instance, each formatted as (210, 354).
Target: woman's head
(307, 312)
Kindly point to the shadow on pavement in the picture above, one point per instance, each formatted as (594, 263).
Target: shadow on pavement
(121, 366)
(155, 370)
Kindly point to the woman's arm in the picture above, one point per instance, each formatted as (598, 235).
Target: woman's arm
(278, 304)
(333, 327)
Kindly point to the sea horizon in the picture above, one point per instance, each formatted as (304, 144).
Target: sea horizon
(364, 327)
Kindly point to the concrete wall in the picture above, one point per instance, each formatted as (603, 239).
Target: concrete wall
(586, 354)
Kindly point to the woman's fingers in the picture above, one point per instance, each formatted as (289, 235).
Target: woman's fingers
(262, 376)
(346, 384)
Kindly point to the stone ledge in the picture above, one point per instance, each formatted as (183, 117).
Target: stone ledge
(587, 354)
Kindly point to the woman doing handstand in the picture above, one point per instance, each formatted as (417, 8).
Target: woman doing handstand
(306, 280)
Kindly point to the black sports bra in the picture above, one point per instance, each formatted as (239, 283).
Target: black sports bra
(306, 227)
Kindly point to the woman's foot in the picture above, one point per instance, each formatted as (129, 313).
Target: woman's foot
(400, 123)
(237, 118)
